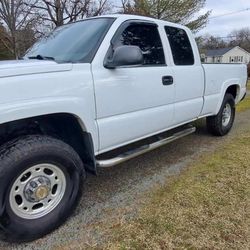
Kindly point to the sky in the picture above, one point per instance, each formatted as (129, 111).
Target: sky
(222, 26)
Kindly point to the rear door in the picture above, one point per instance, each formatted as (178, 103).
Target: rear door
(188, 75)
(133, 102)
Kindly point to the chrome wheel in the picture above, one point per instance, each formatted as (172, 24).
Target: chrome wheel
(37, 191)
(226, 115)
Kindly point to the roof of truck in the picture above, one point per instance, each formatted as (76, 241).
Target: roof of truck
(128, 17)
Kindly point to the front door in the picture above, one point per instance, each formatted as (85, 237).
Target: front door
(133, 102)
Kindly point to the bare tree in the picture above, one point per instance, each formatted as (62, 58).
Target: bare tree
(240, 37)
(16, 18)
(25, 20)
(208, 41)
(60, 12)
(4, 45)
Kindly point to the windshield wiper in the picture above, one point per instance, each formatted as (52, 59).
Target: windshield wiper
(40, 57)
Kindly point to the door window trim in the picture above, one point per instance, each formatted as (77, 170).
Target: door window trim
(191, 46)
(120, 30)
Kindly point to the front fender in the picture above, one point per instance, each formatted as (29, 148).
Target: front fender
(46, 106)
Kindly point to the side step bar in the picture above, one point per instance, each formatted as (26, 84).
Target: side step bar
(144, 149)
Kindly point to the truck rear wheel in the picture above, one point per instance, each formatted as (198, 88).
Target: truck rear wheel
(40, 181)
(222, 123)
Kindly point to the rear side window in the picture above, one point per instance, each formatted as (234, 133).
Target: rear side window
(147, 38)
(180, 46)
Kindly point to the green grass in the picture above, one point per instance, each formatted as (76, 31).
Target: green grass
(244, 105)
(207, 206)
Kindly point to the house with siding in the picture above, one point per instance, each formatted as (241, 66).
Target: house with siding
(227, 55)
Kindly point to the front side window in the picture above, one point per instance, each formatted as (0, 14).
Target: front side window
(76, 42)
(147, 38)
(180, 46)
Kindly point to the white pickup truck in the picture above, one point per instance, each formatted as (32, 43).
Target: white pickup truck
(94, 94)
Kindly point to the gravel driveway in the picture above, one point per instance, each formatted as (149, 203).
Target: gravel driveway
(118, 189)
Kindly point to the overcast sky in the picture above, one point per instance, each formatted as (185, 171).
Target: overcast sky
(221, 26)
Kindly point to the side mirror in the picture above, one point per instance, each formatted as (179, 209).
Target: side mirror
(125, 56)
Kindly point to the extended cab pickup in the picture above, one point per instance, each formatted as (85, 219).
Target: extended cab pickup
(94, 94)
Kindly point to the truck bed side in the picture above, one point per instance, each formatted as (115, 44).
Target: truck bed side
(218, 77)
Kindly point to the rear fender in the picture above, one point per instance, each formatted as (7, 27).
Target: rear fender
(223, 92)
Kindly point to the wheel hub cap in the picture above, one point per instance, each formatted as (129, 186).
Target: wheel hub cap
(41, 193)
(226, 115)
(37, 191)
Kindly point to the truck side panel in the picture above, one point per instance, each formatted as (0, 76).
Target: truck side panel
(218, 77)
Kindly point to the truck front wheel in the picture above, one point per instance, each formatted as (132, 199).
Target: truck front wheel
(222, 123)
(40, 181)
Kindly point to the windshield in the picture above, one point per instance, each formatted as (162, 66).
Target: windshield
(75, 42)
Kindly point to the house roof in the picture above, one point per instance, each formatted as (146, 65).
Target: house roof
(218, 52)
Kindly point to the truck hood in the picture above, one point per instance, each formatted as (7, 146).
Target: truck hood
(26, 67)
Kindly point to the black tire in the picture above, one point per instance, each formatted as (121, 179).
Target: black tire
(215, 123)
(17, 156)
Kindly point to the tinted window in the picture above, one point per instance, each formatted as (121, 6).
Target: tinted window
(180, 46)
(75, 42)
(147, 38)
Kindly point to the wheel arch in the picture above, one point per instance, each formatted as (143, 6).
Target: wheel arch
(231, 88)
(64, 126)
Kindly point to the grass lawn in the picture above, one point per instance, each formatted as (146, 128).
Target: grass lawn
(244, 105)
(206, 206)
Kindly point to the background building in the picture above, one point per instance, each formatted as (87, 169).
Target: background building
(227, 55)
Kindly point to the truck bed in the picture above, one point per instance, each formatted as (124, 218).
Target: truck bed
(217, 79)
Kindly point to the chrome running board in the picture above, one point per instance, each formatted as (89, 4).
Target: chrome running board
(144, 149)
